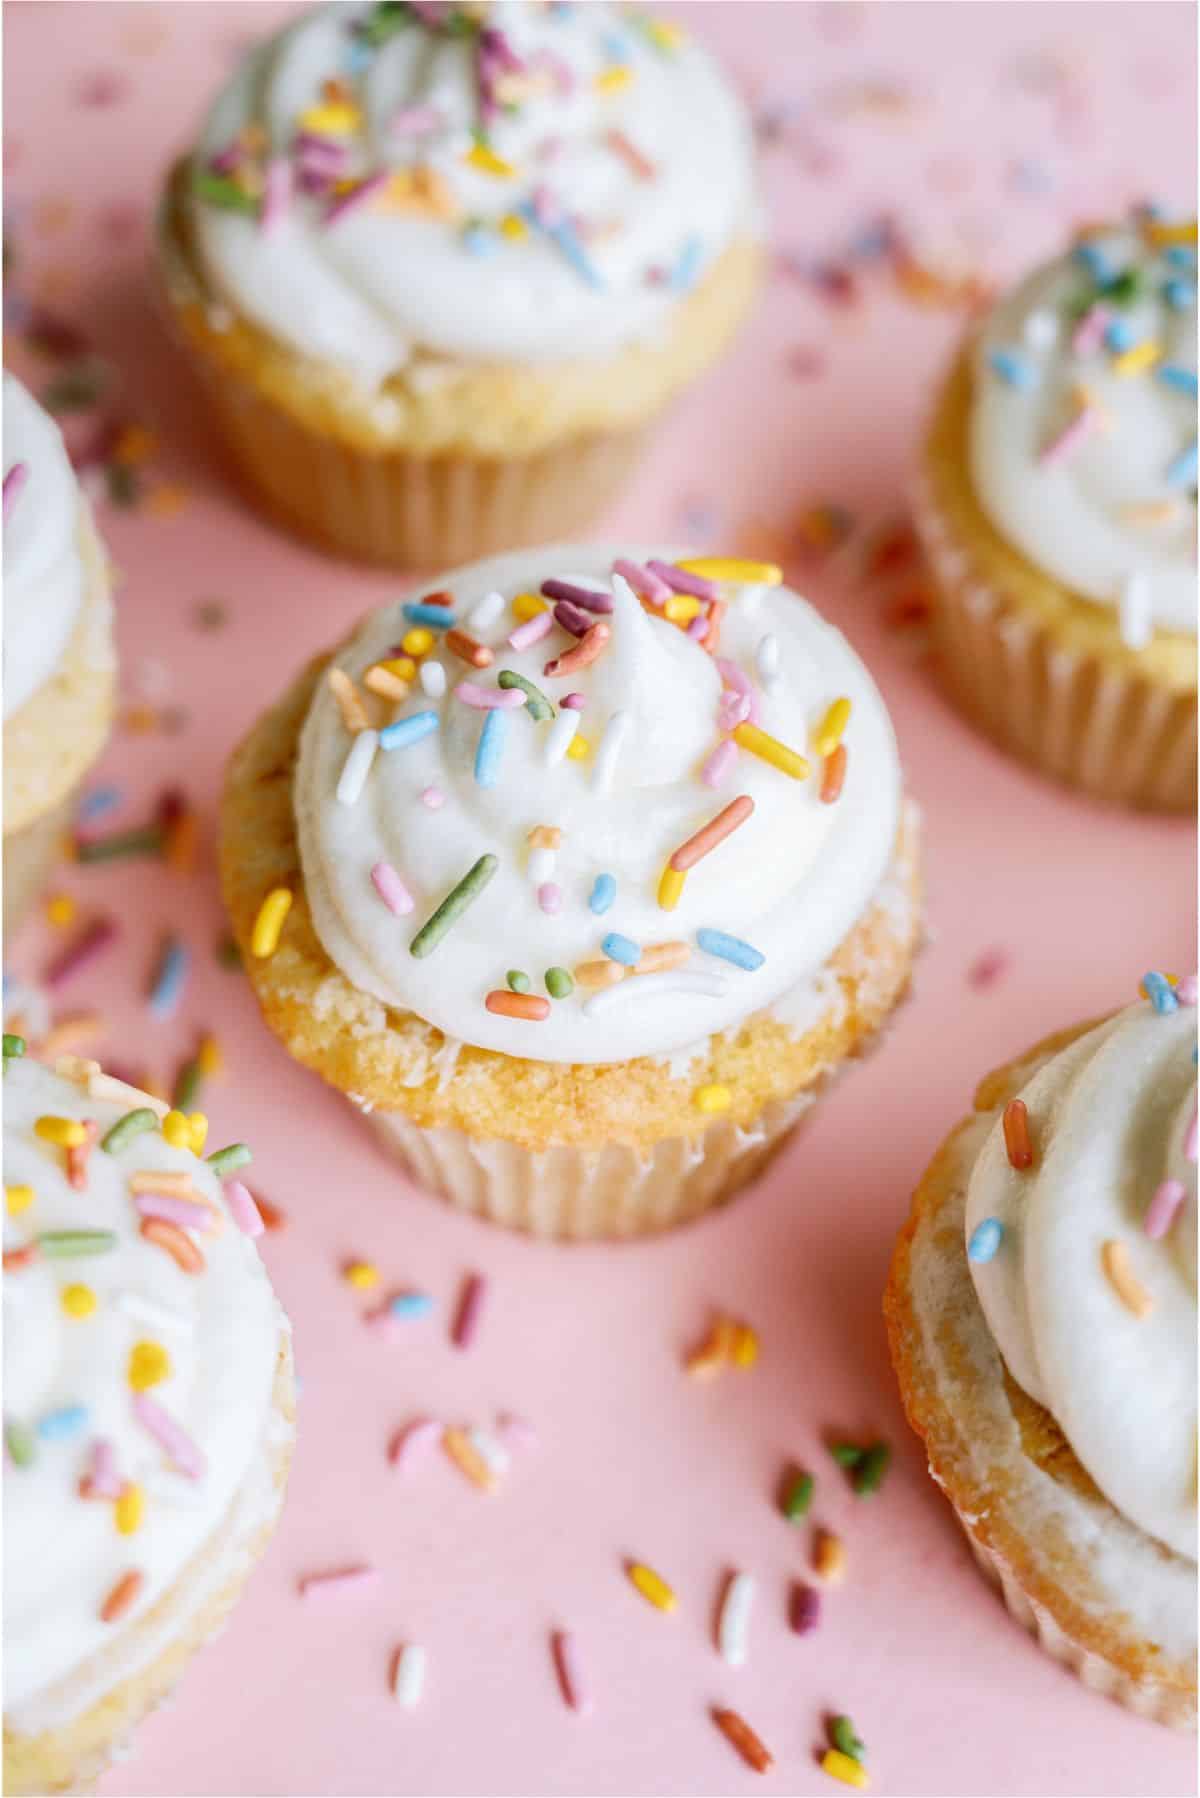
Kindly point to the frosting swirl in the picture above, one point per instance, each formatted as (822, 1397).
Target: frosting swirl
(1083, 423)
(516, 182)
(673, 738)
(1114, 1363)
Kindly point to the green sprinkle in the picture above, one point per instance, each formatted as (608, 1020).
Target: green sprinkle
(221, 190)
(1124, 288)
(229, 956)
(20, 1442)
(225, 1161)
(385, 21)
(134, 1123)
(869, 1472)
(187, 1086)
(559, 983)
(519, 982)
(14, 1047)
(121, 844)
(453, 906)
(536, 703)
(844, 1737)
(60, 1243)
(798, 1496)
(846, 1454)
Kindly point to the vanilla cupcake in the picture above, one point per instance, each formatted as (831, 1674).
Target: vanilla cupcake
(585, 926)
(443, 267)
(1042, 1316)
(59, 666)
(148, 1411)
(1058, 509)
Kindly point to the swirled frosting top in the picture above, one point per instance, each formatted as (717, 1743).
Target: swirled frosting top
(671, 789)
(514, 182)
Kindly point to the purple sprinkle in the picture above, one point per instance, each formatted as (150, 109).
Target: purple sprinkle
(574, 702)
(680, 581)
(391, 889)
(470, 1309)
(358, 196)
(1162, 1209)
(586, 597)
(806, 1608)
(242, 1209)
(85, 947)
(572, 619)
(14, 486)
(643, 581)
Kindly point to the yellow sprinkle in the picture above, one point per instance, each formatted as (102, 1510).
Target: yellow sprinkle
(613, 79)
(197, 1132)
(681, 608)
(149, 1365)
(579, 748)
(664, 34)
(361, 1274)
(1124, 1281)
(177, 1130)
(770, 749)
(128, 1510)
(77, 1300)
(734, 568)
(829, 1558)
(513, 226)
(488, 163)
(1141, 356)
(17, 1199)
(745, 1346)
(64, 1131)
(846, 1768)
(670, 888)
(336, 118)
(60, 908)
(527, 605)
(829, 731)
(1161, 234)
(209, 1057)
(712, 1098)
(264, 939)
(461, 1450)
(403, 667)
(651, 1585)
(389, 686)
(417, 642)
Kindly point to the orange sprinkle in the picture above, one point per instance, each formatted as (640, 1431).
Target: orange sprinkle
(381, 680)
(711, 639)
(657, 957)
(122, 1596)
(460, 644)
(589, 646)
(1123, 1280)
(1016, 1134)
(518, 1005)
(591, 974)
(349, 699)
(77, 1157)
(715, 1352)
(736, 1730)
(182, 840)
(545, 836)
(461, 1451)
(834, 775)
(713, 833)
(176, 1242)
(172, 1186)
(22, 1257)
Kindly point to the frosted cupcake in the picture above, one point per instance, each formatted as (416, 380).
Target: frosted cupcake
(443, 266)
(148, 1409)
(1058, 508)
(59, 666)
(585, 916)
(1042, 1315)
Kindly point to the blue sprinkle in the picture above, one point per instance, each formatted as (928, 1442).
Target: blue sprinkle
(985, 1239)
(407, 731)
(1180, 255)
(683, 276)
(615, 47)
(731, 948)
(1160, 993)
(1182, 471)
(1015, 370)
(490, 752)
(621, 948)
(1093, 259)
(358, 57)
(65, 1422)
(604, 892)
(437, 618)
(172, 971)
(479, 241)
(410, 1304)
(1120, 335)
(1173, 374)
(1179, 295)
(99, 801)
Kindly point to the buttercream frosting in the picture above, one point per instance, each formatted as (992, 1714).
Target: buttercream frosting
(1083, 423)
(514, 182)
(1111, 1117)
(664, 755)
(44, 576)
(91, 1339)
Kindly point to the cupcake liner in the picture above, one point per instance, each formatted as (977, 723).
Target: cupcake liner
(1080, 718)
(29, 856)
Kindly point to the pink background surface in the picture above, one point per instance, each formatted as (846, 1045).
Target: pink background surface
(984, 129)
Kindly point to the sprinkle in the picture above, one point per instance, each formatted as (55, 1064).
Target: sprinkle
(712, 1099)
(408, 1675)
(1160, 992)
(189, 1214)
(621, 948)
(584, 653)
(410, 1304)
(489, 754)
(455, 903)
(518, 982)
(123, 843)
(391, 889)
(829, 1558)
(149, 1365)
(733, 1625)
(679, 580)
(356, 767)
(66, 1133)
(86, 946)
(1125, 1283)
(833, 776)
(769, 749)
(407, 731)
(470, 1309)
(480, 157)
(574, 702)
(60, 1244)
(593, 974)
(105, 1086)
(537, 705)
(572, 619)
(1163, 1208)
(651, 1585)
(712, 835)
(25, 1256)
(1138, 358)
(586, 597)
(570, 1675)
(335, 1579)
(532, 631)
(986, 1238)
(178, 1245)
(603, 894)
(478, 655)
(418, 641)
(527, 606)
(561, 734)
(642, 580)
(845, 1737)
(657, 957)
(433, 798)
(382, 680)
(21, 1443)
(362, 1275)
(730, 948)
(798, 1496)
(428, 612)
(735, 1729)
(128, 1511)
(733, 568)
(1182, 471)
(60, 1425)
(433, 679)
(14, 1046)
(1017, 1143)
(242, 1209)
(101, 1478)
(719, 764)
(1186, 989)
(869, 1474)
(489, 699)
(528, 1006)
(171, 1438)
(607, 755)
(682, 608)
(844, 1768)
(225, 1161)
(466, 1457)
(805, 1609)
(264, 938)
(122, 1597)
(414, 1441)
(559, 983)
(1173, 374)
(169, 978)
(1160, 234)
(17, 1199)
(766, 660)
(349, 701)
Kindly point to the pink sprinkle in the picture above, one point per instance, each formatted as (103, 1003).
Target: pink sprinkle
(1185, 989)
(733, 676)
(226, 161)
(489, 699)
(574, 702)
(698, 626)
(169, 1435)
(570, 1675)
(734, 709)
(987, 968)
(533, 630)
(104, 1480)
(466, 1324)
(391, 888)
(358, 1575)
(1089, 332)
(434, 798)
(413, 121)
(242, 1209)
(1161, 1211)
(1189, 1141)
(680, 581)
(358, 196)
(14, 486)
(719, 764)
(1072, 433)
(643, 581)
(805, 1609)
(187, 1213)
(414, 1442)
(546, 209)
(277, 194)
(549, 897)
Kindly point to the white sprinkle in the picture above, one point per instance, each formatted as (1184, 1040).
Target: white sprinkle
(149, 1311)
(1134, 612)
(485, 613)
(542, 863)
(558, 737)
(490, 1450)
(607, 755)
(766, 660)
(408, 1675)
(107, 1086)
(734, 1624)
(1040, 330)
(647, 985)
(433, 679)
(356, 767)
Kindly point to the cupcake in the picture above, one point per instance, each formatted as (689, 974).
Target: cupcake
(148, 1408)
(1057, 506)
(59, 666)
(442, 267)
(585, 916)
(1042, 1317)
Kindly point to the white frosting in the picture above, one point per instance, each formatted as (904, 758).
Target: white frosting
(384, 278)
(43, 568)
(1086, 515)
(1108, 1116)
(63, 1553)
(792, 880)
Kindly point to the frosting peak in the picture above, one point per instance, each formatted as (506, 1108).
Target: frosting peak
(43, 568)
